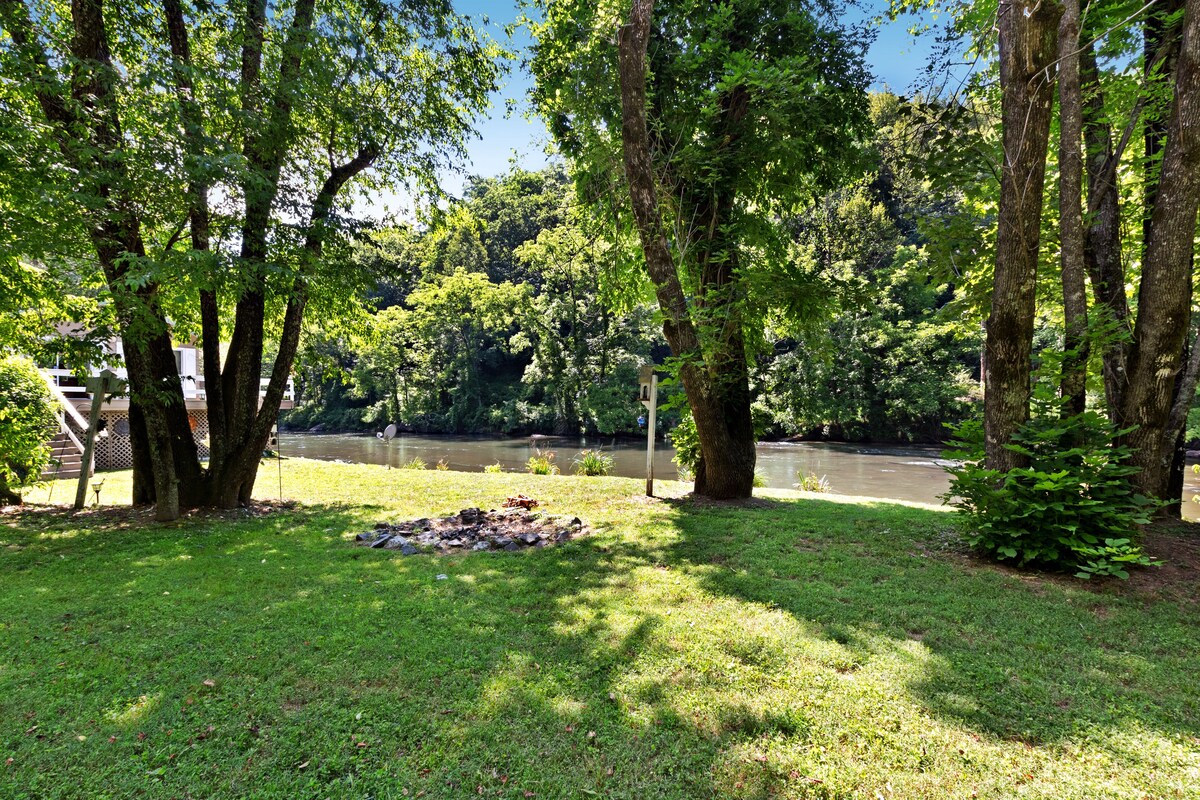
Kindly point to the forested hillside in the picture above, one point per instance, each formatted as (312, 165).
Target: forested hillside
(503, 313)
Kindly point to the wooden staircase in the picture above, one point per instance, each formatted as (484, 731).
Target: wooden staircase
(66, 448)
(66, 458)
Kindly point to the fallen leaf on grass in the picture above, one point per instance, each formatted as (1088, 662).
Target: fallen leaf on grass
(303, 766)
(210, 683)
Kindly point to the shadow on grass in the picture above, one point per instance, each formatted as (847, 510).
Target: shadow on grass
(1036, 659)
(267, 656)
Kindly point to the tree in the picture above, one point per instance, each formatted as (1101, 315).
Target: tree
(710, 120)
(586, 349)
(1165, 292)
(28, 419)
(155, 113)
(1070, 198)
(1027, 50)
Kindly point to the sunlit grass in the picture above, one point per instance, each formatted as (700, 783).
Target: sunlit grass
(799, 647)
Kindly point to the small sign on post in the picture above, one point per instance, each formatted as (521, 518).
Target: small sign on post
(101, 387)
(648, 395)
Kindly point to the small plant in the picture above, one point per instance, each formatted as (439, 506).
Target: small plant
(416, 463)
(593, 462)
(686, 442)
(542, 463)
(811, 483)
(760, 481)
(494, 469)
(1070, 508)
(442, 465)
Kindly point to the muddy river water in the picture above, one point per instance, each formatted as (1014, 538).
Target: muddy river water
(885, 471)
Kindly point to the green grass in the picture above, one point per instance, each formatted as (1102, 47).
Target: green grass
(795, 648)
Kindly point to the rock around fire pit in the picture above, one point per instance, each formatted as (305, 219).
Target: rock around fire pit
(508, 529)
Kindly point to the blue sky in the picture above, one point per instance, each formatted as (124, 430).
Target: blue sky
(896, 59)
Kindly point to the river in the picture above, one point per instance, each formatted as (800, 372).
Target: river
(892, 472)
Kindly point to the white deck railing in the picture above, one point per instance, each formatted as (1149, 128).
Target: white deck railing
(62, 382)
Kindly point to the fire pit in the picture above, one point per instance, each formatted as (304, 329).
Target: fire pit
(472, 529)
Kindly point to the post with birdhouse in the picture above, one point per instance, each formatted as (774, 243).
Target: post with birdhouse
(648, 394)
(101, 387)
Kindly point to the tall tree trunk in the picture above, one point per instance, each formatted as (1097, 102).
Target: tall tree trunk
(1070, 191)
(1102, 236)
(1164, 298)
(1027, 49)
(718, 392)
(241, 467)
(233, 466)
(89, 135)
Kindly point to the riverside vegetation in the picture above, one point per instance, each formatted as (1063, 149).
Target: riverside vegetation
(789, 647)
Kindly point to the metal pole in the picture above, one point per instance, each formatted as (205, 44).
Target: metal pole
(89, 445)
(650, 436)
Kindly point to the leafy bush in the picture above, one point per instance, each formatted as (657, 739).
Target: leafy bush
(811, 483)
(28, 420)
(494, 469)
(686, 442)
(542, 463)
(1070, 508)
(416, 463)
(759, 481)
(593, 462)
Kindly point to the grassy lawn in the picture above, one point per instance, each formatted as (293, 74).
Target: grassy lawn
(795, 648)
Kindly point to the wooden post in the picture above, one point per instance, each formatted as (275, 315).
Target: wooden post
(649, 397)
(101, 387)
(98, 387)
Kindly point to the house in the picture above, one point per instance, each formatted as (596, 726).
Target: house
(112, 449)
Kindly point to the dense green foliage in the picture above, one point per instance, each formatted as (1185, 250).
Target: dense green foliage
(494, 317)
(788, 649)
(1070, 508)
(510, 312)
(28, 418)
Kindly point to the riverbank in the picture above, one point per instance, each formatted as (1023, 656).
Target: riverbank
(787, 648)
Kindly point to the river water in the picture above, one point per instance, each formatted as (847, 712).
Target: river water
(891, 472)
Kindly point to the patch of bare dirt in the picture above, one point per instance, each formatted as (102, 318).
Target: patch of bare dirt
(516, 527)
(128, 516)
(1177, 546)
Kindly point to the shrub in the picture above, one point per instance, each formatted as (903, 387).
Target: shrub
(494, 469)
(442, 465)
(759, 481)
(686, 442)
(593, 462)
(1070, 508)
(542, 463)
(811, 483)
(416, 463)
(28, 419)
